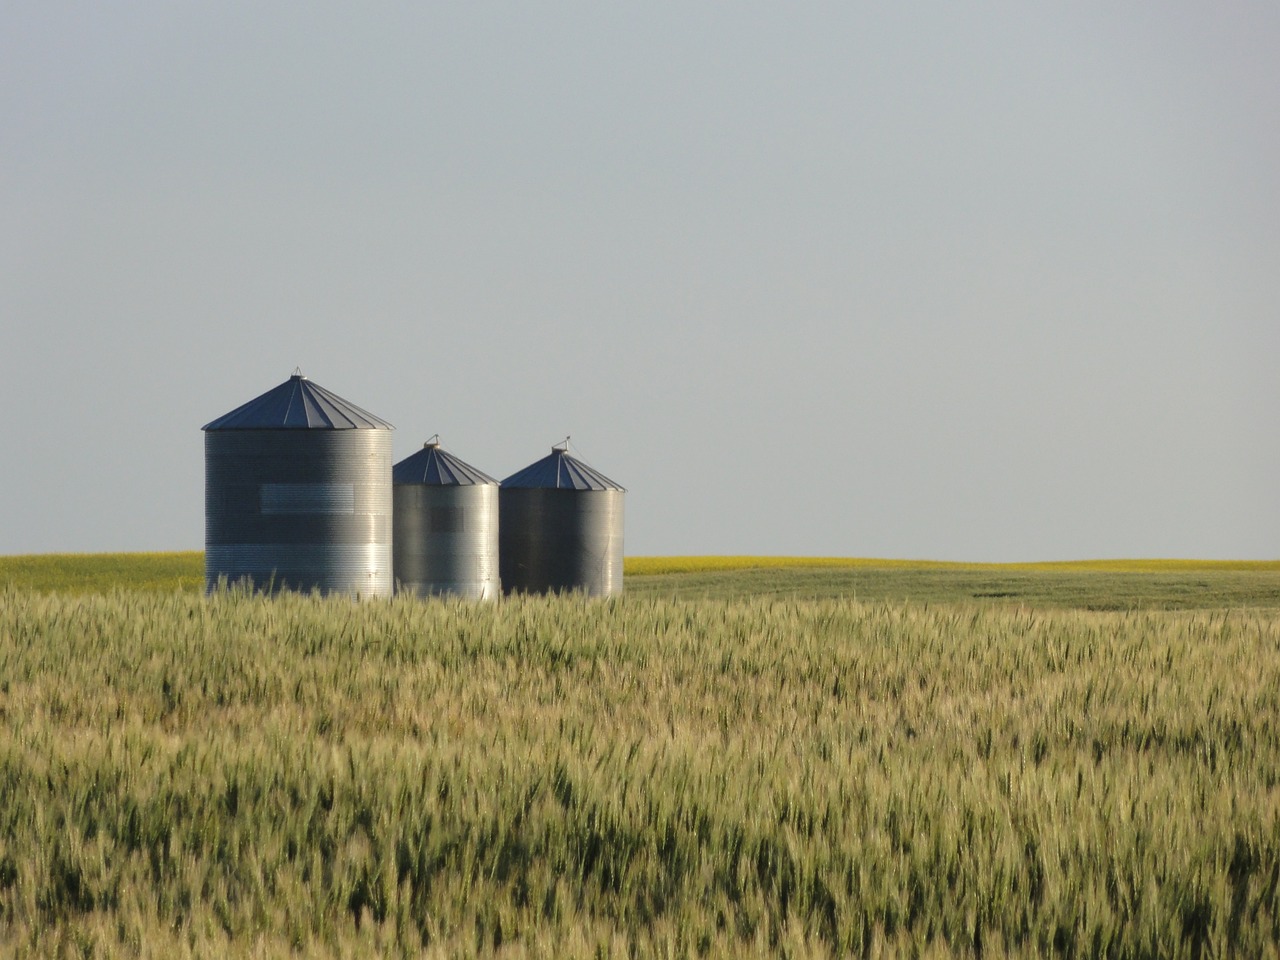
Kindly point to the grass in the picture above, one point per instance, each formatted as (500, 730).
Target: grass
(641, 777)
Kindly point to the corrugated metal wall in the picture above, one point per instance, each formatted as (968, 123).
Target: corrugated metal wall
(554, 540)
(446, 539)
(299, 509)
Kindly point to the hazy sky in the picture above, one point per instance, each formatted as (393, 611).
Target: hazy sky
(985, 281)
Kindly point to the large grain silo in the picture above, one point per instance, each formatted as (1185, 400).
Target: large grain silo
(561, 528)
(298, 494)
(446, 526)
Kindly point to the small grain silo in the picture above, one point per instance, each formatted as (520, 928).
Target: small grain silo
(560, 528)
(298, 494)
(446, 526)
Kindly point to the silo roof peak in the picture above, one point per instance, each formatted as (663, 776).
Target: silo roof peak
(561, 471)
(298, 404)
(435, 467)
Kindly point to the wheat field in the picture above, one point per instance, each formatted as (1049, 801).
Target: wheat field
(640, 777)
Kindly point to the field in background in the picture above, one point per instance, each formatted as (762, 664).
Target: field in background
(1098, 584)
(247, 777)
(103, 572)
(1082, 586)
(648, 566)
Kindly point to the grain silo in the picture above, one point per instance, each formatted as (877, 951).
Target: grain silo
(446, 526)
(561, 528)
(298, 494)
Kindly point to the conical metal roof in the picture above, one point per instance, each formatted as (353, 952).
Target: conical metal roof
(559, 471)
(432, 466)
(298, 404)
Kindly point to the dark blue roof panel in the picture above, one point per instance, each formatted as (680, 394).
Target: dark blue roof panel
(298, 404)
(433, 467)
(559, 471)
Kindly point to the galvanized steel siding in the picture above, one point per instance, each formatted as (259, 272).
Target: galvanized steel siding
(561, 540)
(300, 509)
(446, 539)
